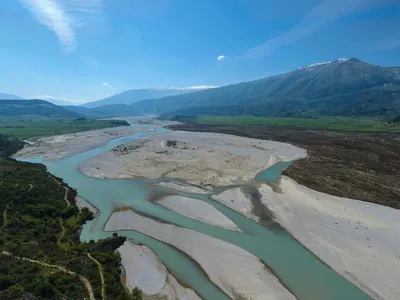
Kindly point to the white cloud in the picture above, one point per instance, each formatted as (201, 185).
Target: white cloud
(63, 16)
(195, 87)
(324, 13)
(106, 84)
(201, 87)
(57, 100)
(221, 57)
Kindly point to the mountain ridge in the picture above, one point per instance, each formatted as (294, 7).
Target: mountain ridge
(134, 95)
(316, 90)
(6, 96)
(34, 107)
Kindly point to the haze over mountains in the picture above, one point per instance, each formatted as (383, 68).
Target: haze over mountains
(342, 87)
(134, 95)
(5, 96)
(34, 107)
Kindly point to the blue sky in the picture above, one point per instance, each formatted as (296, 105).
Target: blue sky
(85, 50)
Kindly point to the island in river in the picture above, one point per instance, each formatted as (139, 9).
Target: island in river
(182, 200)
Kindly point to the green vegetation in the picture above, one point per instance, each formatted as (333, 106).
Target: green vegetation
(37, 223)
(9, 145)
(357, 165)
(34, 107)
(28, 126)
(137, 294)
(333, 123)
(352, 88)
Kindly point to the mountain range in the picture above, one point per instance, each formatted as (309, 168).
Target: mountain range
(346, 87)
(34, 107)
(342, 87)
(4, 96)
(132, 96)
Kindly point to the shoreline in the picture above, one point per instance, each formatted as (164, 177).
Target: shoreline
(57, 147)
(219, 259)
(147, 272)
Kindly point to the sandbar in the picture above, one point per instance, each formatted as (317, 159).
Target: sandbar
(198, 210)
(195, 157)
(60, 146)
(220, 260)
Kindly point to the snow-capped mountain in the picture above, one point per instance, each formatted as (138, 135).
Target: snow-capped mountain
(312, 66)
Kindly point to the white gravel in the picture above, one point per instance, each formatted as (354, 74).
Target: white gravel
(359, 240)
(237, 200)
(234, 270)
(60, 146)
(197, 158)
(144, 270)
(198, 210)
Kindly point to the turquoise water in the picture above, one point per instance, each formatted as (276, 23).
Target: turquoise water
(274, 172)
(299, 270)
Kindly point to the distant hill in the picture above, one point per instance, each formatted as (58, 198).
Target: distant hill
(56, 101)
(132, 96)
(9, 96)
(345, 87)
(116, 110)
(34, 107)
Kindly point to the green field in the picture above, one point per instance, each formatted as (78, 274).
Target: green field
(24, 127)
(333, 123)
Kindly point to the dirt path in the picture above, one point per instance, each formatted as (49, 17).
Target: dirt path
(5, 220)
(66, 191)
(103, 287)
(84, 280)
(5, 217)
(62, 232)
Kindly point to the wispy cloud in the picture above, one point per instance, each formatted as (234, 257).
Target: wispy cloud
(324, 13)
(63, 17)
(221, 57)
(106, 84)
(57, 100)
(188, 88)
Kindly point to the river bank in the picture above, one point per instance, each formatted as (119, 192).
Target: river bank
(219, 260)
(360, 240)
(356, 165)
(144, 270)
(60, 146)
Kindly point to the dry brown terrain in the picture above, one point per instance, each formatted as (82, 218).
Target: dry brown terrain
(364, 166)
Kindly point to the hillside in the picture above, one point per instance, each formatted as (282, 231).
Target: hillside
(347, 87)
(131, 96)
(114, 110)
(34, 107)
(9, 96)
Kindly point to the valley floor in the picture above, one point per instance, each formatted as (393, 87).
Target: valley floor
(364, 166)
(359, 240)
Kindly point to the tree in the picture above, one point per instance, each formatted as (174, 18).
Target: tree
(137, 294)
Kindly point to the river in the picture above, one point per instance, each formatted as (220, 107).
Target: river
(297, 268)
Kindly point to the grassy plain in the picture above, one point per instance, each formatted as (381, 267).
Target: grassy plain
(332, 123)
(24, 127)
